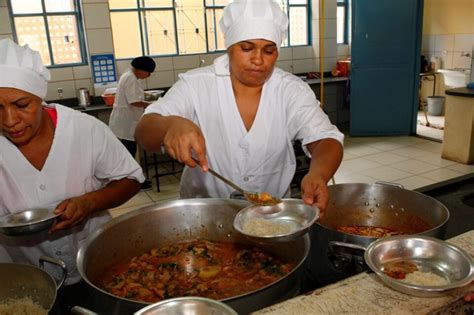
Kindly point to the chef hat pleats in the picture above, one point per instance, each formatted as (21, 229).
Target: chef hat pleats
(22, 68)
(253, 19)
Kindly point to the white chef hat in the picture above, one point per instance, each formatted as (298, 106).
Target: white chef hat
(21, 68)
(253, 19)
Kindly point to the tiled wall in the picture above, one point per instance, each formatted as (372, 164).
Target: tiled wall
(99, 40)
(455, 51)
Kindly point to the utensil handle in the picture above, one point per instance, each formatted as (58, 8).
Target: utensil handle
(222, 178)
(347, 245)
(56, 262)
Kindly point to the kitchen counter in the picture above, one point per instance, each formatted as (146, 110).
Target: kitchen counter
(366, 294)
(458, 143)
(462, 91)
(326, 80)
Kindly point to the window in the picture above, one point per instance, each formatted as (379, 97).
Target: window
(181, 27)
(342, 21)
(52, 27)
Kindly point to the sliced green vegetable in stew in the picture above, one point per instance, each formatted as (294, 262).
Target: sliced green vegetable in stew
(210, 269)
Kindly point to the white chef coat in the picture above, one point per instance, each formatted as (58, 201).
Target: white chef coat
(261, 159)
(84, 156)
(124, 117)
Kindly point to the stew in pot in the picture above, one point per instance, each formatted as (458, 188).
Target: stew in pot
(203, 268)
(370, 231)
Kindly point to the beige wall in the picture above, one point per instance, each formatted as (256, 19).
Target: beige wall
(99, 40)
(448, 32)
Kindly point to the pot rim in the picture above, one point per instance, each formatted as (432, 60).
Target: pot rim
(163, 205)
(387, 186)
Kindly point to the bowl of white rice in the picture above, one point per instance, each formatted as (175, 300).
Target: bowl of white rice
(287, 220)
(420, 265)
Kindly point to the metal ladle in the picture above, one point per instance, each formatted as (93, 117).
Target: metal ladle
(264, 198)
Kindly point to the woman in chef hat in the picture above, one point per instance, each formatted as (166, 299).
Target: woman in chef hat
(240, 115)
(54, 157)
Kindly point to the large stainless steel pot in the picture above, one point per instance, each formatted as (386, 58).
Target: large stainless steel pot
(380, 204)
(136, 232)
(27, 281)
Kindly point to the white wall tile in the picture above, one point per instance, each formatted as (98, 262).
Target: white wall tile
(82, 72)
(95, 1)
(315, 9)
(444, 42)
(122, 66)
(460, 61)
(3, 3)
(316, 66)
(5, 27)
(330, 28)
(3, 36)
(342, 51)
(61, 74)
(84, 83)
(330, 47)
(446, 60)
(463, 42)
(160, 79)
(286, 65)
(209, 58)
(100, 41)
(69, 90)
(330, 9)
(186, 62)
(303, 65)
(329, 63)
(285, 53)
(303, 52)
(164, 64)
(96, 15)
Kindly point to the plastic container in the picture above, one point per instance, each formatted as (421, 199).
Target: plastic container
(436, 105)
(108, 99)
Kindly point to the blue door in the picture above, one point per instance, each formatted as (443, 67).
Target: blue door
(386, 43)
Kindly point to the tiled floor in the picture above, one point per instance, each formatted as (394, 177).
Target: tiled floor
(430, 126)
(410, 161)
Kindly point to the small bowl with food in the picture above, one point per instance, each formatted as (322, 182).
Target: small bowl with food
(27, 222)
(419, 265)
(284, 221)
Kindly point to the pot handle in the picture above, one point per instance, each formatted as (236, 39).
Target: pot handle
(346, 245)
(390, 184)
(56, 262)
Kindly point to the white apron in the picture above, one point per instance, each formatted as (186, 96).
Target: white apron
(84, 157)
(261, 159)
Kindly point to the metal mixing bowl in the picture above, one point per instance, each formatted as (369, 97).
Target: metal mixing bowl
(429, 254)
(187, 305)
(27, 222)
(293, 212)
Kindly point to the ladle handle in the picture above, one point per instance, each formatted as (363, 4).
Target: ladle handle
(222, 178)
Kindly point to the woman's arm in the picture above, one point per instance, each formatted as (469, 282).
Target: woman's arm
(75, 210)
(326, 156)
(180, 137)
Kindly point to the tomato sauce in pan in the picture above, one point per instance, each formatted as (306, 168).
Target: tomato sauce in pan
(209, 269)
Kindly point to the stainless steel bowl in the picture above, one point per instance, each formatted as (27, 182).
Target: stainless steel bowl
(27, 222)
(429, 254)
(189, 305)
(292, 212)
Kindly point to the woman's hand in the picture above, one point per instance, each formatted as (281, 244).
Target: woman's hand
(72, 212)
(184, 138)
(314, 191)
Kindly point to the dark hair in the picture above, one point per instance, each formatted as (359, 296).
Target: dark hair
(144, 63)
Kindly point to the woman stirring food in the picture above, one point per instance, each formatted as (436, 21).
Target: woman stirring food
(240, 115)
(55, 157)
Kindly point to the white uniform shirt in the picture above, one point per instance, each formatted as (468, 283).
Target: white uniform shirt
(124, 117)
(84, 157)
(261, 159)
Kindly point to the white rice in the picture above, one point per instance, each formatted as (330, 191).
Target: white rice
(23, 306)
(425, 279)
(262, 227)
